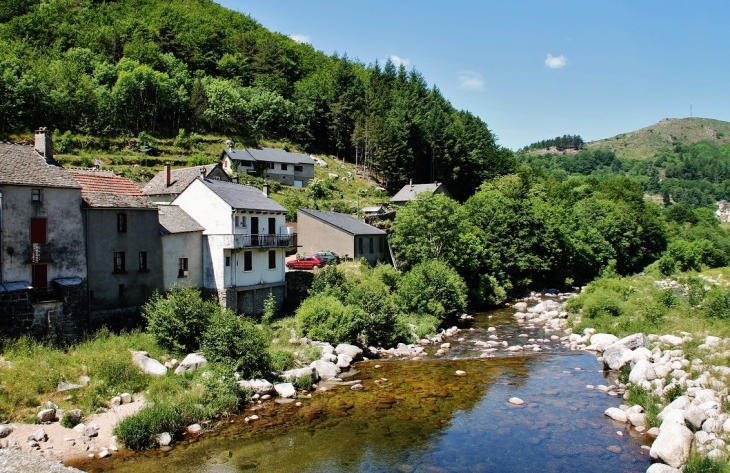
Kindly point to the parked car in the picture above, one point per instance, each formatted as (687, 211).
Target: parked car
(328, 257)
(305, 262)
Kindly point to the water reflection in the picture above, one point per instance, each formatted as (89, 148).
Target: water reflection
(418, 416)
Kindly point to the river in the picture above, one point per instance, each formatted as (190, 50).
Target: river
(418, 416)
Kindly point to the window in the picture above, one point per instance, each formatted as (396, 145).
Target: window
(240, 221)
(298, 168)
(269, 165)
(272, 259)
(119, 265)
(121, 223)
(121, 291)
(372, 246)
(381, 244)
(38, 230)
(359, 245)
(36, 195)
(248, 260)
(182, 266)
(228, 260)
(284, 166)
(143, 261)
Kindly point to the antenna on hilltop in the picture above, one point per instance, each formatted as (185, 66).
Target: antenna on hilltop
(690, 110)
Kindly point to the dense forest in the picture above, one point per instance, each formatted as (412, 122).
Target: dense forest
(559, 142)
(121, 67)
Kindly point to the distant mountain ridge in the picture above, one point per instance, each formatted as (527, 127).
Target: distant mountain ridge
(663, 135)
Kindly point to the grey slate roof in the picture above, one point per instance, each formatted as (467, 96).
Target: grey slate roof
(242, 197)
(173, 219)
(343, 222)
(268, 155)
(22, 165)
(179, 180)
(118, 201)
(409, 192)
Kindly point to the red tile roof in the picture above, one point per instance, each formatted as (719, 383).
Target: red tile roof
(101, 182)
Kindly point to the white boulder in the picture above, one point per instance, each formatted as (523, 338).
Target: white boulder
(191, 363)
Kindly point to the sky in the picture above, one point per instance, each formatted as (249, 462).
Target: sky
(534, 70)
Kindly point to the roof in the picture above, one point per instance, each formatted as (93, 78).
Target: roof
(242, 197)
(22, 165)
(173, 219)
(118, 201)
(343, 222)
(410, 191)
(179, 180)
(104, 182)
(268, 155)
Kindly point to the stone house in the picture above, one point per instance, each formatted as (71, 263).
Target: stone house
(168, 183)
(43, 270)
(182, 248)
(244, 242)
(345, 235)
(291, 169)
(123, 247)
(410, 192)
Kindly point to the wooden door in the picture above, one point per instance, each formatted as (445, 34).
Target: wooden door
(254, 231)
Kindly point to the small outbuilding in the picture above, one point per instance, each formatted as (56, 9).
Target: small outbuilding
(343, 234)
(410, 191)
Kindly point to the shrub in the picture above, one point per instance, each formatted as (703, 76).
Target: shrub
(331, 280)
(700, 464)
(269, 309)
(236, 343)
(602, 302)
(380, 310)
(432, 288)
(222, 395)
(323, 317)
(667, 298)
(138, 432)
(303, 382)
(717, 302)
(281, 360)
(178, 320)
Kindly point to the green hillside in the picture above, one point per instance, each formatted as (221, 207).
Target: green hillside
(662, 136)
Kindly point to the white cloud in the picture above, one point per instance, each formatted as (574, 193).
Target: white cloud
(556, 62)
(470, 80)
(300, 38)
(397, 60)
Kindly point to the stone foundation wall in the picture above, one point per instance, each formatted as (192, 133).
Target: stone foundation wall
(116, 319)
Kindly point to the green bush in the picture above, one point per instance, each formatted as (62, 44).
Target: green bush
(717, 302)
(178, 319)
(602, 302)
(331, 280)
(281, 360)
(237, 343)
(667, 298)
(303, 382)
(138, 432)
(381, 311)
(432, 288)
(269, 309)
(323, 317)
(222, 394)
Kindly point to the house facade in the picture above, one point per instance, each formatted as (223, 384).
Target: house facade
(43, 270)
(340, 233)
(410, 191)
(182, 248)
(291, 169)
(168, 183)
(123, 245)
(244, 242)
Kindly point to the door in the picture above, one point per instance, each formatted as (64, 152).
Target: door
(254, 231)
(40, 276)
(272, 232)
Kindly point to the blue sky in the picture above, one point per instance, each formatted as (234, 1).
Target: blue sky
(535, 70)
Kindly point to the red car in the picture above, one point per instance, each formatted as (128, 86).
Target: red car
(305, 262)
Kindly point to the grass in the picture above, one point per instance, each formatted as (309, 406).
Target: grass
(700, 464)
(652, 404)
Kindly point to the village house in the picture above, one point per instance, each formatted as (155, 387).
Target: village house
(345, 235)
(182, 248)
(42, 259)
(410, 191)
(291, 169)
(168, 183)
(123, 247)
(244, 242)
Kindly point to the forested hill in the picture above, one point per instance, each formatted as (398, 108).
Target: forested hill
(118, 68)
(664, 136)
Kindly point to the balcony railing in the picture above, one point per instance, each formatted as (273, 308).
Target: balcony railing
(264, 241)
(40, 253)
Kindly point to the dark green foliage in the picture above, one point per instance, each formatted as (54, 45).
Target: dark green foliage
(560, 142)
(330, 280)
(178, 319)
(667, 298)
(138, 432)
(381, 325)
(432, 288)
(269, 309)
(303, 382)
(280, 360)
(237, 343)
(323, 317)
(717, 302)
(673, 393)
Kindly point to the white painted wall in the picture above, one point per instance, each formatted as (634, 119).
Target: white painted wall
(212, 212)
(182, 245)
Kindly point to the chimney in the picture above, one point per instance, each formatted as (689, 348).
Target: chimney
(235, 179)
(265, 189)
(411, 183)
(202, 173)
(44, 142)
(168, 175)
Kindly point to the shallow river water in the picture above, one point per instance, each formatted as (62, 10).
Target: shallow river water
(418, 416)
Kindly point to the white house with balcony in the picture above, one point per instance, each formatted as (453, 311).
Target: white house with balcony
(244, 240)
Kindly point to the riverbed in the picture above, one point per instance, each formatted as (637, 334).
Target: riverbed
(419, 416)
